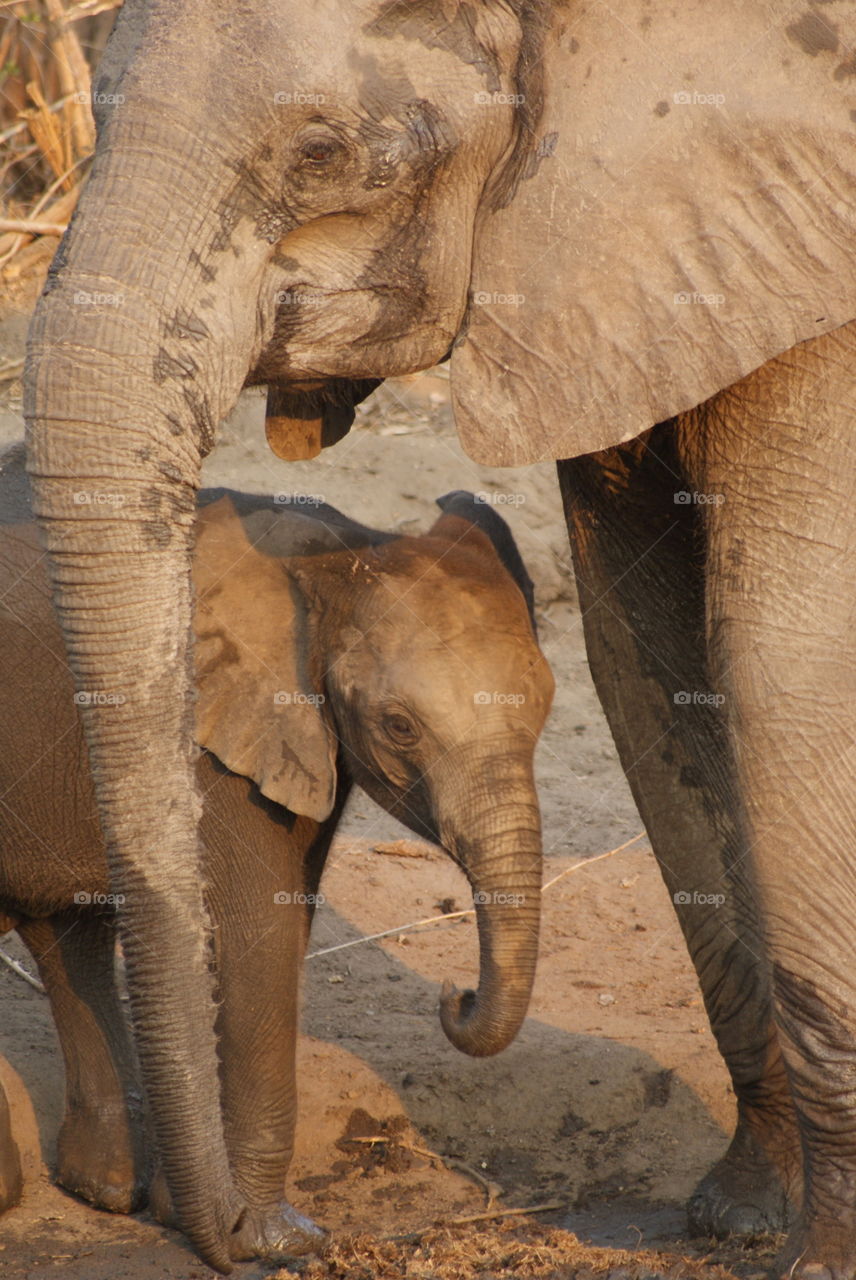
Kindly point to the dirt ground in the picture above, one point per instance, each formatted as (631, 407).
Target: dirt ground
(612, 1101)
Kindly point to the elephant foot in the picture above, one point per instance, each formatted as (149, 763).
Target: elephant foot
(97, 1164)
(824, 1251)
(744, 1194)
(275, 1235)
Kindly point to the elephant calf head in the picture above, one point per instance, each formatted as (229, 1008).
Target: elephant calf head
(412, 664)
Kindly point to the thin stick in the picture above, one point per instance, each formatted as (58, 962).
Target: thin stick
(387, 933)
(32, 226)
(10, 371)
(491, 1189)
(70, 198)
(588, 861)
(61, 208)
(22, 972)
(470, 911)
(89, 8)
(505, 1213)
(74, 76)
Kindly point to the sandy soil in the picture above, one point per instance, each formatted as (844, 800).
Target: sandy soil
(611, 1103)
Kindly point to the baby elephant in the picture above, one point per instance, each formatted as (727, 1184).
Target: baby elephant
(327, 654)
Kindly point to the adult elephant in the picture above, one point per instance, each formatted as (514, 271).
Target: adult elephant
(616, 220)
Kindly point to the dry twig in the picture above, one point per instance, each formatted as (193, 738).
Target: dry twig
(22, 972)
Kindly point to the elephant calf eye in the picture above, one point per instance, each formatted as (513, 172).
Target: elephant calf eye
(400, 729)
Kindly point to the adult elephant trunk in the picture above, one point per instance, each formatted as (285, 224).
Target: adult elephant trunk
(129, 369)
(501, 855)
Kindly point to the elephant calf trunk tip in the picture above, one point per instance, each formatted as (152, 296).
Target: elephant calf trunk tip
(462, 1017)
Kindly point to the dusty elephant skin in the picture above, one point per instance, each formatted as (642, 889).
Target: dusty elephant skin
(326, 652)
(281, 254)
(610, 224)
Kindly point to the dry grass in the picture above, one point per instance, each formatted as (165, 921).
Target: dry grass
(47, 49)
(512, 1250)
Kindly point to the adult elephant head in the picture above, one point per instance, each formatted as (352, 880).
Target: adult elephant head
(302, 196)
(280, 194)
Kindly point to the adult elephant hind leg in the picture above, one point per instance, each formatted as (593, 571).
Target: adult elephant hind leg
(781, 449)
(638, 550)
(101, 1148)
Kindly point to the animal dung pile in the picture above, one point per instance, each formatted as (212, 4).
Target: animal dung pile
(509, 1248)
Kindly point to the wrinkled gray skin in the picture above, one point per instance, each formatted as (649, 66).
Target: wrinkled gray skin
(198, 232)
(654, 220)
(366, 652)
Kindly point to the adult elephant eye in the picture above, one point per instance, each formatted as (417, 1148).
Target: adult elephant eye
(400, 729)
(319, 151)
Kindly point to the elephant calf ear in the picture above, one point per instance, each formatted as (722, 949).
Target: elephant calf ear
(260, 708)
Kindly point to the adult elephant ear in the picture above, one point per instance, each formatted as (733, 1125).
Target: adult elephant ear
(260, 704)
(684, 214)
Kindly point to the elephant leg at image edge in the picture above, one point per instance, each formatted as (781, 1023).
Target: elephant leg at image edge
(11, 1181)
(638, 556)
(781, 449)
(102, 1147)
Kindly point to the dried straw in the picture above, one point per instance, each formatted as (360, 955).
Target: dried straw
(47, 133)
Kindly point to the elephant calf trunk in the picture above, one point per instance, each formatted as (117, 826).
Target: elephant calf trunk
(484, 1022)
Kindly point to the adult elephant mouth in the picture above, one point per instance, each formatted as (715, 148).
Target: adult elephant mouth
(302, 418)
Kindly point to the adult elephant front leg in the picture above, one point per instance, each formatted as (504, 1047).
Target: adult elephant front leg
(639, 559)
(780, 447)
